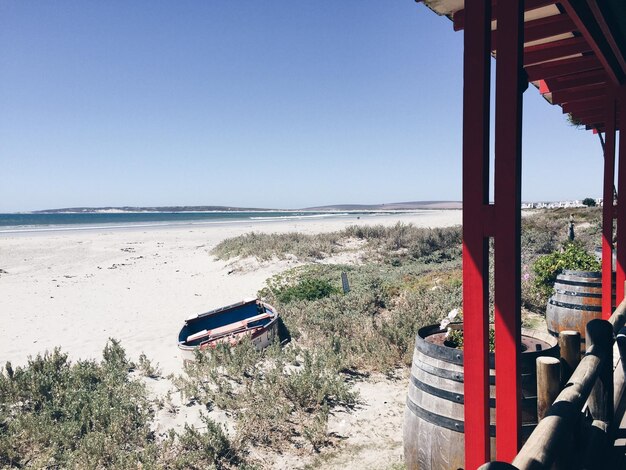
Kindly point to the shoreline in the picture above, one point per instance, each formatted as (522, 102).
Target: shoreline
(355, 216)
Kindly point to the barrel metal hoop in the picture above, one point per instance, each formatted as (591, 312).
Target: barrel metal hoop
(445, 373)
(577, 294)
(589, 308)
(455, 356)
(458, 397)
(444, 353)
(554, 333)
(455, 424)
(445, 394)
(569, 282)
(573, 272)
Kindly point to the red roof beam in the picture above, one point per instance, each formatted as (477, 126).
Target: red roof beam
(555, 50)
(542, 28)
(599, 112)
(597, 115)
(582, 27)
(459, 17)
(598, 124)
(600, 127)
(560, 68)
(591, 77)
(580, 93)
(583, 105)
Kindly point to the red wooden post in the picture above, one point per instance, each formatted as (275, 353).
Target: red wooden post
(607, 208)
(621, 204)
(476, 81)
(510, 84)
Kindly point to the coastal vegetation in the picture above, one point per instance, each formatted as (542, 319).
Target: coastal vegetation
(547, 267)
(285, 394)
(547, 249)
(375, 243)
(55, 413)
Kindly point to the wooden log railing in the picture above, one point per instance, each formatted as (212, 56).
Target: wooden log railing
(577, 429)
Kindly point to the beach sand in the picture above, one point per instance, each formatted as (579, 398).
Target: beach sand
(77, 288)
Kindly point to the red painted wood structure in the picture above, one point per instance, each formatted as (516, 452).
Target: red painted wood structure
(574, 53)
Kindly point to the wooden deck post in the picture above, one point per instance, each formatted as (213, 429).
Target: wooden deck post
(510, 84)
(569, 345)
(548, 383)
(599, 336)
(476, 85)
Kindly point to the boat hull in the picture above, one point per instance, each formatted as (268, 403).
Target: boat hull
(230, 325)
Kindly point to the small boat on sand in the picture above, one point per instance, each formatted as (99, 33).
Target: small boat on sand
(230, 324)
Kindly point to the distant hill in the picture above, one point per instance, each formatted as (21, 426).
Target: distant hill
(150, 209)
(391, 206)
(337, 207)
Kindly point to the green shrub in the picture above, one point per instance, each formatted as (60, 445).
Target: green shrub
(548, 267)
(265, 246)
(373, 327)
(275, 395)
(57, 413)
(199, 449)
(306, 289)
(88, 414)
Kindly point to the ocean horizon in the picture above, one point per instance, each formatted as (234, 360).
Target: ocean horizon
(43, 222)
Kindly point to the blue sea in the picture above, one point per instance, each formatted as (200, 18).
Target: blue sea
(26, 222)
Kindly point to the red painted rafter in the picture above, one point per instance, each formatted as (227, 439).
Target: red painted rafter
(582, 28)
(581, 93)
(562, 67)
(555, 50)
(568, 82)
(594, 117)
(541, 28)
(549, 26)
(583, 105)
(458, 17)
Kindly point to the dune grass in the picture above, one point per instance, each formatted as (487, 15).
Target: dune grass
(391, 244)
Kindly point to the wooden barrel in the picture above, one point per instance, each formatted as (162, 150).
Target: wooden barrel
(433, 417)
(577, 300)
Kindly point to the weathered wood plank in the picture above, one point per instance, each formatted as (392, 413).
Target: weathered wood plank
(548, 384)
(569, 345)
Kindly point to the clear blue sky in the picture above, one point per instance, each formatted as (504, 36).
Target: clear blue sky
(282, 103)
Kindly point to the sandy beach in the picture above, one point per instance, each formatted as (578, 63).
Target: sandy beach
(77, 288)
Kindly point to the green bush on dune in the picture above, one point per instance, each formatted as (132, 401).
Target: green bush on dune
(58, 413)
(276, 396)
(88, 414)
(548, 267)
(372, 328)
